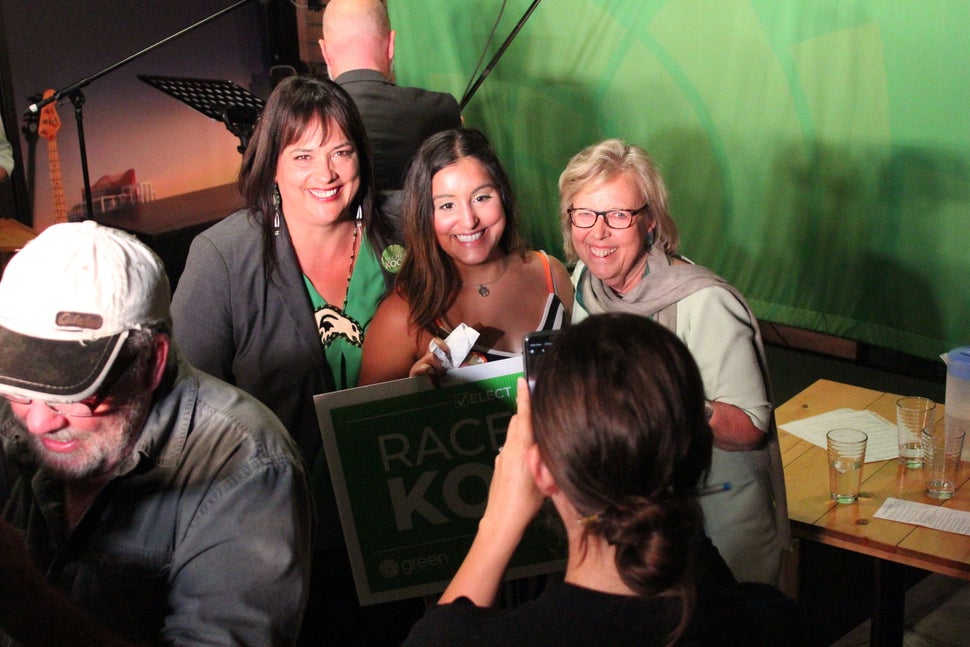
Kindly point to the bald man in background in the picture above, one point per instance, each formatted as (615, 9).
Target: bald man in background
(358, 47)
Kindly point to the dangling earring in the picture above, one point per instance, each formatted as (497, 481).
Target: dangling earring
(649, 240)
(277, 201)
(360, 215)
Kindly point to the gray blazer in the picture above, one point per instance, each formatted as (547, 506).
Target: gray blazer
(259, 333)
(255, 331)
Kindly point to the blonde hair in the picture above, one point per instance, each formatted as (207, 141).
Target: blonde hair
(600, 163)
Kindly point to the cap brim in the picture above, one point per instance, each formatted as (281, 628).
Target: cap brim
(55, 370)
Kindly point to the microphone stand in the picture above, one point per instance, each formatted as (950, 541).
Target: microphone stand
(501, 50)
(77, 98)
(73, 91)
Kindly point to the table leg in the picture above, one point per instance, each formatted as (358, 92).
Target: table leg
(889, 604)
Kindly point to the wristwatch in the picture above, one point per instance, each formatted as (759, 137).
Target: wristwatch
(708, 409)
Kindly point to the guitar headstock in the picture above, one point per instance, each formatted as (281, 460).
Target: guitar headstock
(50, 123)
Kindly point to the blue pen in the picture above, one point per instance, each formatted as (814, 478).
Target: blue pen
(713, 489)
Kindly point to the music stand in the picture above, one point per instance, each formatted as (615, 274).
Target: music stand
(223, 101)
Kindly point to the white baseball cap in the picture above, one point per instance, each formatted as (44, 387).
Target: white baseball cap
(68, 300)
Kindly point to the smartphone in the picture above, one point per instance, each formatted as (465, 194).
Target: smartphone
(534, 345)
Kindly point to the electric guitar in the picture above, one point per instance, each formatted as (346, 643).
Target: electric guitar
(50, 123)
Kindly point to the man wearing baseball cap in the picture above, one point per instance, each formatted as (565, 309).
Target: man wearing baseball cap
(141, 500)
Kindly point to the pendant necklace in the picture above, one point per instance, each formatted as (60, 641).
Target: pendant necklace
(334, 322)
(483, 287)
(353, 255)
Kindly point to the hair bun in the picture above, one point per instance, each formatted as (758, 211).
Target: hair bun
(653, 540)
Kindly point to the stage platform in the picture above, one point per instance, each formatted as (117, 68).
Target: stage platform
(168, 225)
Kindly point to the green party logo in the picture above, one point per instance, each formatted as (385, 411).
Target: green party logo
(392, 257)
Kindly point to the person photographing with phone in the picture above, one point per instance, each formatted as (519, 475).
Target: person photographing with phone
(534, 346)
(615, 436)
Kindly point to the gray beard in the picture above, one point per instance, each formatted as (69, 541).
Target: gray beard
(106, 460)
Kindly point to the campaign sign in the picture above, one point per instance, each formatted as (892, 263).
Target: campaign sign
(411, 465)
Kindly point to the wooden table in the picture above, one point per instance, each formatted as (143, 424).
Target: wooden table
(13, 236)
(815, 517)
(169, 225)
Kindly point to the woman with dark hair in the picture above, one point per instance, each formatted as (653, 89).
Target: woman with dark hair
(615, 436)
(277, 298)
(465, 264)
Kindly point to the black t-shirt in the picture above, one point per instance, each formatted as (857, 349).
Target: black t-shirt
(565, 614)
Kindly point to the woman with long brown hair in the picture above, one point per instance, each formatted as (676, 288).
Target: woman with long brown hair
(277, 299)
(465, 263)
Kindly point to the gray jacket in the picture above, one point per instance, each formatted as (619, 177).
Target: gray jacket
(397, 120)
(204, 539)
(258, 332)
(253, 330)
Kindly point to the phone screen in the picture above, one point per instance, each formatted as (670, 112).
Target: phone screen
(534, 345)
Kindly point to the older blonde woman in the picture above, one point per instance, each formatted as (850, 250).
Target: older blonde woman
(615, 221)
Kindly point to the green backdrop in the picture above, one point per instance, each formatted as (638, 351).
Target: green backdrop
(817, 152)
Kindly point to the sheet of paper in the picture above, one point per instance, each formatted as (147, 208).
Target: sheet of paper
(459, 343)
(882, 444)
(924, 514)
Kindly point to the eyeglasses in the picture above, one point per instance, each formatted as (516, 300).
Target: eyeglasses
(614, 218)
(87, 407)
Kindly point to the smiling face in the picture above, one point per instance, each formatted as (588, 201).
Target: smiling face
(468, 214)
(318, 178)
(615, 256)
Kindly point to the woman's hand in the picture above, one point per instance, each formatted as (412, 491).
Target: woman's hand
(430, 363)
(513, 500)
(513, 497)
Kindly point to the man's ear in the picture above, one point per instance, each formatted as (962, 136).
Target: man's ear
(540, 474)
(390, 46)
(323, 52)
(159, 358)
